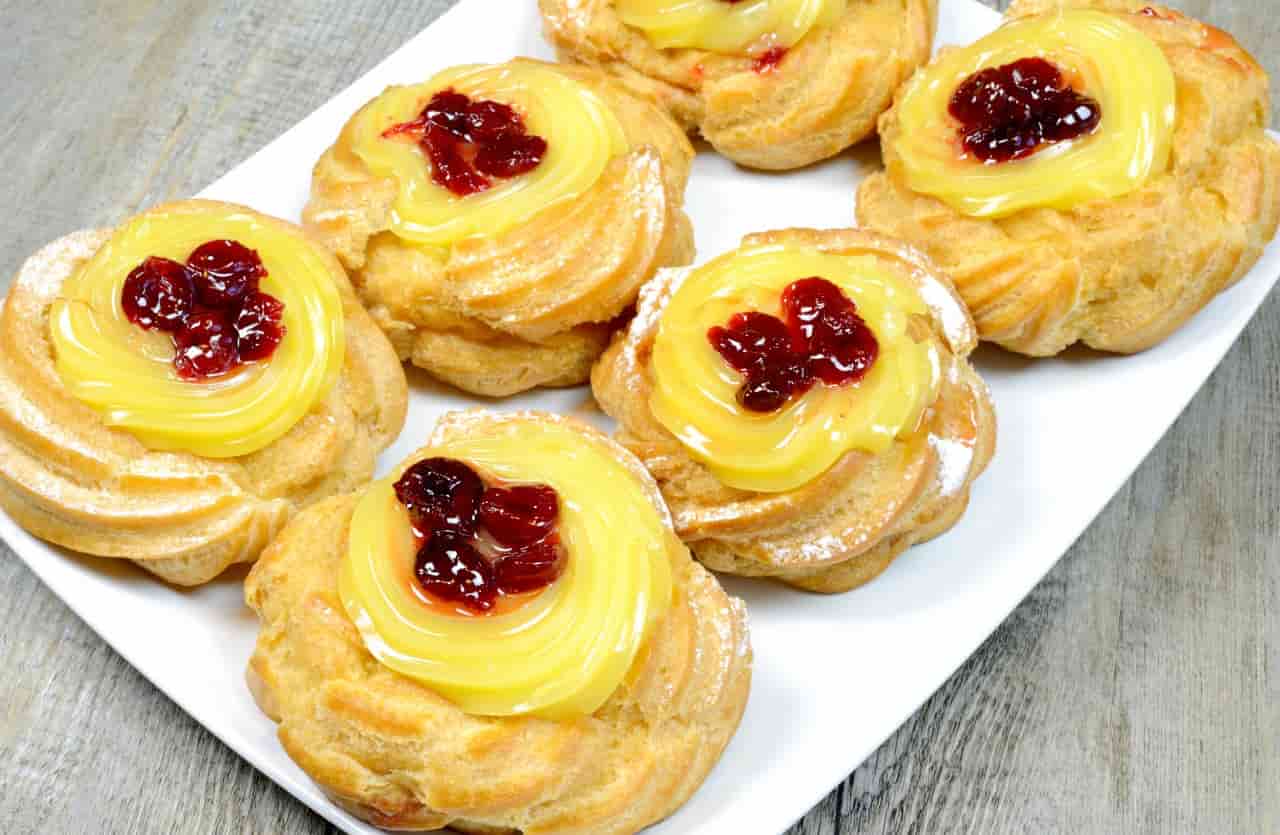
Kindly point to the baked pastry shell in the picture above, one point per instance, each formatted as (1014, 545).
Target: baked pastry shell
(845, 527)
(823, 97)
(395, 753)
(1118, 275)
(69, 478)
(531, 306)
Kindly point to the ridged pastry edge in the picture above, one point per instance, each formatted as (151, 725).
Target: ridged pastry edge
(824, 97)
(68, 478)
(531, 306)
(394, 753)
(1118, 275)
(845, 527)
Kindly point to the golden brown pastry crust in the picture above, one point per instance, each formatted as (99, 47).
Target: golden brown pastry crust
(68, 478)
(845, 527)
(1119, 275)
(531, 306)
(824, 97)
(394, 753)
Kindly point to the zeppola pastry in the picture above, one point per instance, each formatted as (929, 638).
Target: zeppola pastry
(172, 391)
(773, 84)
(497, 219)
(1094, 171)
(503, 635)
(805, 402)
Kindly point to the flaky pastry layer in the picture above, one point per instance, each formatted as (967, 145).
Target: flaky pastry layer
(70, 479)
(531, 306)
(845, 527)
(400, 756)
(823, 97)
(1119, 275)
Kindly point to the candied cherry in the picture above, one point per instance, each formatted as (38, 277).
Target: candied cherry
(441, 493)
(841, 347)
(448, 109)
(1009, 112)
(764, 350)
(769, 389)
(470, 141)
(206, 346)
(226, 272)
(823, 338)
(449, 504)
(158, 295)
(450, 568)
(210, 306)
(488, 120)
(258, 326)
(511, 155)
(519, 515)
(529, 568)
(449, 167)
(751, 339)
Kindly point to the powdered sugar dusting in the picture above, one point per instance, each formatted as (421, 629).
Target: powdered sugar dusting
(44, 272)
(955, 459)
(957, 326)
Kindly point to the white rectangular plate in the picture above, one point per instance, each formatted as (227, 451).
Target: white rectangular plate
(1072, 430)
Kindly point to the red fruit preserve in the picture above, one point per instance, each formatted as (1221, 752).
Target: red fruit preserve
(479, 542)
(469, 142)
(211, 306)
(823, 339)
(1011, 111)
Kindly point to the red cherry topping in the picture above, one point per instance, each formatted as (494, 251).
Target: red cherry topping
(226, 272)
(211, 307)
(840, 345)
(158, 295)
(448, 109)
(529, 568)
(752, 338)
(488, 120)
(519, 515)
(449, 167)
(258, 328)
(450, 568)
(470, 141)
(451, 506)
(1009, 112)
(823, 339)
(511, 155)
(206, 346)
(763, 348)
(441, 493)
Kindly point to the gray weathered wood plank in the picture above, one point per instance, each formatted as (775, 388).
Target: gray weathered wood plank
(1136, 690)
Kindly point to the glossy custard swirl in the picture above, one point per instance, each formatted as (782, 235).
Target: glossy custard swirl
(1100, 56)
(736, 27)
(695, 391)
(581, 136)
(127, 373)
(560, 652)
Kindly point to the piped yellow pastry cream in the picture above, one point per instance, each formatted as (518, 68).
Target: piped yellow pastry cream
(694, 391)
(1104, 58)
(559, 652)
(735, 28)
(127, 373)
(581, 132)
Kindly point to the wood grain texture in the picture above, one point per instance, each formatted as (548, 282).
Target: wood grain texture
(1136, 690)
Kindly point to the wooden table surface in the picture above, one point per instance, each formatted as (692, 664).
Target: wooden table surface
(1136, 690)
